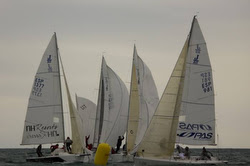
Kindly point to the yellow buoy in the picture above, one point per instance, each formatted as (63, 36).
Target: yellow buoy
(102, 154)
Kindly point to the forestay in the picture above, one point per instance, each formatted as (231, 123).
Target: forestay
(197, 121)
(44, 118)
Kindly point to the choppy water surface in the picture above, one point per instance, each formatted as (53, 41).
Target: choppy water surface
(13, 157)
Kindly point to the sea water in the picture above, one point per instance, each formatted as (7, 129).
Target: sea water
(15, 157)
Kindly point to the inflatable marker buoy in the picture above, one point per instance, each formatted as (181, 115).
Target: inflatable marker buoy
(102, 154)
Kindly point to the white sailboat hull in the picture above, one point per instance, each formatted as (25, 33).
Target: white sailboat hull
(61, 157)
(141, 161)
(113, 158)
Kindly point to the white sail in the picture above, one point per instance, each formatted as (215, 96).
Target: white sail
(143, 102)
(185, 113)
(159, 139)
(44, 118)
(197, 121)
(78, 142)
(134, 114)
(87, 112)
(77, 136)
(112, 107)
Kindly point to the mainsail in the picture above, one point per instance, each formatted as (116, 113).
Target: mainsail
(112, 107)
(197, 120)
(44, 118)
(142, 104)
(87, 112)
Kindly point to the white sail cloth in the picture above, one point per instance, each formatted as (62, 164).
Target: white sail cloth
(112, 107)
(44, 118)
(159, 139)
(143, 102)
(197, 121)
(189, 93)
(87, 113)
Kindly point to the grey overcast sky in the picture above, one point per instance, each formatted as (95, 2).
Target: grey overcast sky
(88, 29)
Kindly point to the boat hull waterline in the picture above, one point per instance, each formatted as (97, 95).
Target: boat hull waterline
(140, 161)
(62, 157)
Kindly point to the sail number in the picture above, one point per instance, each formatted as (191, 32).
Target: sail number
(206, 82)
(38, 86)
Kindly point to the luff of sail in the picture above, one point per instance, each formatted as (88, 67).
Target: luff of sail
(133, 111)
(143, 102)
(197, 122)
(159, 139)
(112, 107)
(44, 117)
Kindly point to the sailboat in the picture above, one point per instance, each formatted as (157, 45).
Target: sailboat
(44, 123)
(112, 107)
(112, 110)
(142, 104)
(185, 113)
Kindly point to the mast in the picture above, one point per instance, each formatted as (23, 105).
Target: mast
(112, 107)
(57, 54)
(129, 98)
(98, 111)
(143, 101)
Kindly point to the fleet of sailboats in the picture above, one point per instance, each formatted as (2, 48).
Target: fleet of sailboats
(185, 114)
